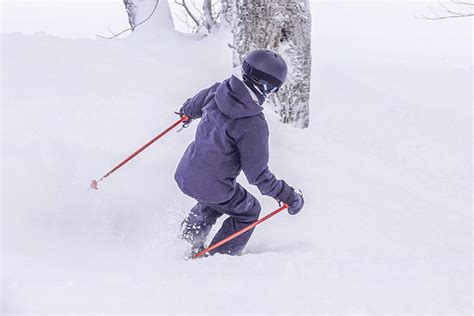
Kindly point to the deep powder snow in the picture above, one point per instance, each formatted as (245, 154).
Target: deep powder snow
(385, 168)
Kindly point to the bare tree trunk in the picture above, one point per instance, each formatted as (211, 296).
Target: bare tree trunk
(148, 13)
(209, 21)
(131, 9)
(283, 26)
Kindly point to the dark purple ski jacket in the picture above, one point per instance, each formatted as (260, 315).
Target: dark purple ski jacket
(231, 136)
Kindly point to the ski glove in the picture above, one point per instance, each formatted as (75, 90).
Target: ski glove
(295, 205)
(186, 122)
(293, 199)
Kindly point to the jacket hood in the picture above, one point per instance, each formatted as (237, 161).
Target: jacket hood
(234, 100)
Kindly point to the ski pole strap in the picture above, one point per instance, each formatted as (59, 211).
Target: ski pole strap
(240, 232)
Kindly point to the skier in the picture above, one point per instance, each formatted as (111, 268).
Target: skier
(231, 136)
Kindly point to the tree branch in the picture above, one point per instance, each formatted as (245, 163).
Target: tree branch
(448, 13)
(183, 4)
(137, 25)
(471, 3)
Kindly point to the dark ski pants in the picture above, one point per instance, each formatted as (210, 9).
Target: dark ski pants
(243, 209)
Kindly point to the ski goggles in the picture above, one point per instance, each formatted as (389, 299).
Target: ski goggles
(269, 88)
(266, 82)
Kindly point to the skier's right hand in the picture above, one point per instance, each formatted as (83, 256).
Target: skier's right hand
(295, 204)
(290, 197)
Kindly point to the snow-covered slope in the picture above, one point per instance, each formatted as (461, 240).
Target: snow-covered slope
(385, 168)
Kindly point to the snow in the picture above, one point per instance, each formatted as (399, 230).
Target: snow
(63, 18)
(386, 169)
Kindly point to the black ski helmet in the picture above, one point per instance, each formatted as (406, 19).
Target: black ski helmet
(265, 69)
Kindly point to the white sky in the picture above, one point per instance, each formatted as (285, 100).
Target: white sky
(67, 18)
(72, 19)
(83, 18)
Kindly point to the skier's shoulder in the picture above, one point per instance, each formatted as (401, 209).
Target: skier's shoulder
(207, 94)
(215, 86)
(211, 90)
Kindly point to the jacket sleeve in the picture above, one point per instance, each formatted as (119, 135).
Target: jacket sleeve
(251, 136)
(193, 106)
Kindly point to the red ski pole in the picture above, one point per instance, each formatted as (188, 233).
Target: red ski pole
(240, 232)
(94, 182)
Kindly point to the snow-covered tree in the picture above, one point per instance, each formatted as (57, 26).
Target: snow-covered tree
(131, 9)
(226, 10)
(283, 26)
(145, 14)
(209, 15)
